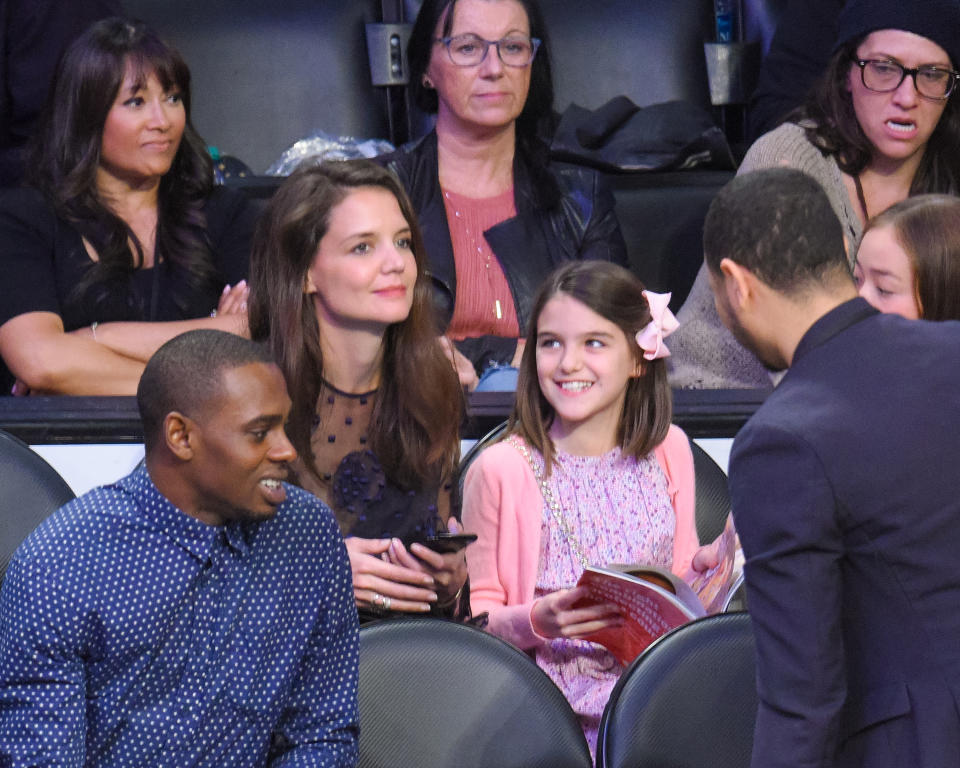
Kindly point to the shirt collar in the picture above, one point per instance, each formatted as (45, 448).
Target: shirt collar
(198, 538)
(834, 322)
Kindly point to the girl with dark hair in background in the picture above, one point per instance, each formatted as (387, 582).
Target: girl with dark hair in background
(591, 473)
(884, 124)
(339, 291)
(122, 242)
(909, 259)
(497, 215)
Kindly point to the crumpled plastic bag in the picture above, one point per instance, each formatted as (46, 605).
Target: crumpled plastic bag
(314, 149)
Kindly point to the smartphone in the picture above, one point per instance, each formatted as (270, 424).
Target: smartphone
(445, 542)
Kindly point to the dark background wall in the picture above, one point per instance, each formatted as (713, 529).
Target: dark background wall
(269, 72)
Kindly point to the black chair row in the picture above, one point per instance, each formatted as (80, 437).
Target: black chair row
(441, 695)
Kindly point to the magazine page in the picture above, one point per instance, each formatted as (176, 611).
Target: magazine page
(649, 610)
(713, 585)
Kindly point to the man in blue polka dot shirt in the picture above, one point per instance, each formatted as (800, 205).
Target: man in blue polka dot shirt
(199, 612)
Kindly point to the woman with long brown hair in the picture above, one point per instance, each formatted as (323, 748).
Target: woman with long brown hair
(339, 291)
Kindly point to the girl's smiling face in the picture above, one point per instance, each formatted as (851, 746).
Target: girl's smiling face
(584, 364)
(884, 274)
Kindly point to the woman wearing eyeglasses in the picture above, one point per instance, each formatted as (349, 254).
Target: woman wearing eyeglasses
(497, 215)
(883, 124)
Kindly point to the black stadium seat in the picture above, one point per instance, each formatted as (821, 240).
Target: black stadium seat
(688, 701)
(435, 694)
(30, 489)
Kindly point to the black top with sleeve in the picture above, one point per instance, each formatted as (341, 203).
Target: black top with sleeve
(529, 246)
(42, 259)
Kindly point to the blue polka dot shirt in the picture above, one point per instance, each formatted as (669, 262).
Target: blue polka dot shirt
(132, 634)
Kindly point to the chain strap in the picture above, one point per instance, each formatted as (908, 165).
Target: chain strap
(552, 504)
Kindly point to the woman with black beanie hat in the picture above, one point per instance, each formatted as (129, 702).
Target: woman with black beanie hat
(883, 125)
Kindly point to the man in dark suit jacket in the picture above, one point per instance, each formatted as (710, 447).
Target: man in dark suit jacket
(846, 493)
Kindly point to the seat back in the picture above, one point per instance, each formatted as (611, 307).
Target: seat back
(688, 701)
(435, 694)
(661, 216)
(713, 496)
(30, 489)
(468, 458)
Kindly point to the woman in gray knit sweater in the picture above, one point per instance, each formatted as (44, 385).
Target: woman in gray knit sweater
(883, 124)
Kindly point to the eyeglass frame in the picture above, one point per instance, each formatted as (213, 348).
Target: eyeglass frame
(534, 41)
(912, 72)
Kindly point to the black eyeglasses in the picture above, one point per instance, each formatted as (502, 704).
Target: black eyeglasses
(885, 75)
(470, 50)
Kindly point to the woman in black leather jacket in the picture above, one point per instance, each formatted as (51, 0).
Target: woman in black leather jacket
(497, 215)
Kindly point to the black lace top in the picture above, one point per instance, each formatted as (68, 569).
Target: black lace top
(352, 482)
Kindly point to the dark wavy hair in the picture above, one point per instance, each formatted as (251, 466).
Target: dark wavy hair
(415, 423)
(66, 155)
(537, 120)
(928, 229)
(779, 224)
(831, 124)
(616, 294)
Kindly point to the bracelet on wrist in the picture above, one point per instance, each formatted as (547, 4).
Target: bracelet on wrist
(453, 600)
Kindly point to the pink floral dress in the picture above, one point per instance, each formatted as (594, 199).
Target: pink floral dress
(618, 510)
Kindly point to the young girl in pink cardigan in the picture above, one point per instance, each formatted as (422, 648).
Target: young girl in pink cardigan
(591, 472)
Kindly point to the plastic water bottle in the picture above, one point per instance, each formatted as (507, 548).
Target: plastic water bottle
(217, 173)
(726, 16)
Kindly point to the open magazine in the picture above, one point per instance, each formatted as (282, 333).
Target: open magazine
(653, 600)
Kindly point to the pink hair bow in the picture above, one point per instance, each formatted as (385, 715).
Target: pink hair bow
(650, 339)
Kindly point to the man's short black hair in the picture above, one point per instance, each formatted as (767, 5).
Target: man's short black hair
(779, 224)
(186, 372)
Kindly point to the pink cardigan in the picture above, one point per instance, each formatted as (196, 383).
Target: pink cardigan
(502, 503)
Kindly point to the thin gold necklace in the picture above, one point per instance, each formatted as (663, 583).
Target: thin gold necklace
(478, 244)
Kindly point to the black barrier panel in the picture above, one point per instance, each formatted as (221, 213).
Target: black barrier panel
(66, 420)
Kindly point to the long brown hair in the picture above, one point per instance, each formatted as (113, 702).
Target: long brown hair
(928, 229)
(615, 294)
(415, 423)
